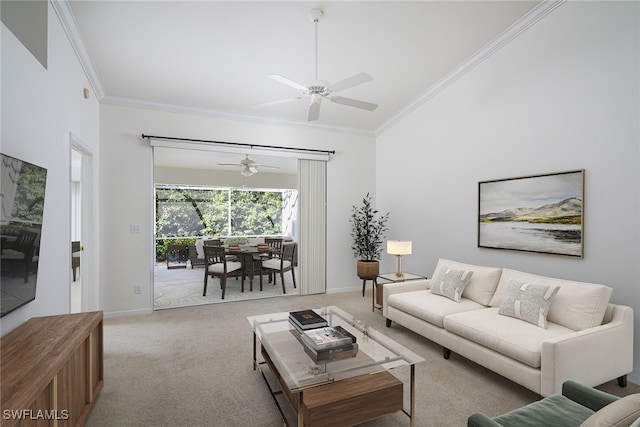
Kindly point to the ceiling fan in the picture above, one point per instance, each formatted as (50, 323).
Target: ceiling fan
(249, 167)
(319, 89)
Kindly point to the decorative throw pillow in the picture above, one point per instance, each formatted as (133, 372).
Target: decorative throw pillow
(528, 302)
(621, 413)
(451, 283)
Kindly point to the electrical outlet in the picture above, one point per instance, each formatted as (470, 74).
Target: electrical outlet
(137, 289)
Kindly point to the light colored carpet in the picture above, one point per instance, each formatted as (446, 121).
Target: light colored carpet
(182, 287)
(193, 367)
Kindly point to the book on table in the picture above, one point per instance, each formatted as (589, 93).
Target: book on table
(306, 319)
(326, 338)
(331, 354)
(342, 348)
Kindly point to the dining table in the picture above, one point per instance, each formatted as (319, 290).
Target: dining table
(251, 257)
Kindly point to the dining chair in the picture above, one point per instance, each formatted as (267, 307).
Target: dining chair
(275, 249)
(281, 264)
(217, 265)
(274, 243)
(75, 258)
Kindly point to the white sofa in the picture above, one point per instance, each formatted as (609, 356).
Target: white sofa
(586, 339)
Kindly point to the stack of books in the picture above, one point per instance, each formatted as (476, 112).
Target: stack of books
(306, 319)
(322, 342)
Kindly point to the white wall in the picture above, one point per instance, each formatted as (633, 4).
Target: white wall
(563, 95)
(126, 192)
(40, 107)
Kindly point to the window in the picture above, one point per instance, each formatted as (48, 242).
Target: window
(189, 212)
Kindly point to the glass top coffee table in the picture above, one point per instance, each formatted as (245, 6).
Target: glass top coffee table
(345, 391)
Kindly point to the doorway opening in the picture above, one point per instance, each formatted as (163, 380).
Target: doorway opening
(197, 203)
(81, 236)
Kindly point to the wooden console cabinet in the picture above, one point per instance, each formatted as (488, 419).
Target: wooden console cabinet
(51, 370)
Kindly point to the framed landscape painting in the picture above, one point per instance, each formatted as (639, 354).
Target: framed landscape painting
(538, 213)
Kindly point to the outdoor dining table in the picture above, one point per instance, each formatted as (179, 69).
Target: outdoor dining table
(251, 258)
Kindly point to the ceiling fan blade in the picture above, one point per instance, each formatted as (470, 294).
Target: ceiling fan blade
(354, 103)
(267, 166)
(288, 82)
(229, 164)
(281, 101)
(314, 111)
(350, 82)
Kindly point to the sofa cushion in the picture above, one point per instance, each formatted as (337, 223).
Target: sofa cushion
(451, 283)
(556, 410)
(577, 305)
(512, 337)
(200, 248)
(528, 302)
(430, 307)
(482, 284)
(621, 413)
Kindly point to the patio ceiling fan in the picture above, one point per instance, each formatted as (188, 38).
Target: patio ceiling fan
(248, 166)
(318, 90)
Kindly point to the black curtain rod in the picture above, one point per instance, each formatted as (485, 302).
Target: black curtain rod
(240, 144)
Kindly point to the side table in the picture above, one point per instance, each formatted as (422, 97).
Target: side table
(386, 278)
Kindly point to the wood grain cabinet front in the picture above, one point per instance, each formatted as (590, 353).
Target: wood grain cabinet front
(52, 370)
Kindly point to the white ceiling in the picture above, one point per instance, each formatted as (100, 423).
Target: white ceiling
(191, 159)
(213, 56)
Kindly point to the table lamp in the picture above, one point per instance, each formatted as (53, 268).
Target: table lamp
(399, 248)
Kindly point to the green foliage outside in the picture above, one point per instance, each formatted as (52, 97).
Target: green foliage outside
(256, 213)
(185, 213)
(28, 204)
(188, 212)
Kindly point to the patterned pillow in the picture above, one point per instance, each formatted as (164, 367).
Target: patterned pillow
(528, 302)
(451, 283)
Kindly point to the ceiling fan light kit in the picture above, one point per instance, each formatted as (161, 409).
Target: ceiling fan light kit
(248, 166)
(319, 89)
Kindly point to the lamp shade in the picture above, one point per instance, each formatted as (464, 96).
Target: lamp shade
(399, 247)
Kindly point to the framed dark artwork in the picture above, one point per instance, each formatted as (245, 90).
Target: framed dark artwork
(537, 213)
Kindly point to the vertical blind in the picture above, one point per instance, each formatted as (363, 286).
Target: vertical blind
(312, 208)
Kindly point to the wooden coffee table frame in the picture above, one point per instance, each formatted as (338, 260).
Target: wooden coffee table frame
(360, 398)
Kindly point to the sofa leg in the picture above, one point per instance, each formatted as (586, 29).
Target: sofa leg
(388, 323)
(446, 353)
(622, 381)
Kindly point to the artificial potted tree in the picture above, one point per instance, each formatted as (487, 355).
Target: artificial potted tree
(367, 229)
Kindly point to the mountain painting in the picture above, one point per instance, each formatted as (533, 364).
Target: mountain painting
(540, 213)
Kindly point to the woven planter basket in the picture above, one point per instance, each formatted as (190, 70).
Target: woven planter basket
(368, 270)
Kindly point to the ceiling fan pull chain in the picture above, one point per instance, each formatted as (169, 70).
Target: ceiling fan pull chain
(316, 22)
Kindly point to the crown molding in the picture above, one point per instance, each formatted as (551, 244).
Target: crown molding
(504, 38)
(70, 26)
(226, 115)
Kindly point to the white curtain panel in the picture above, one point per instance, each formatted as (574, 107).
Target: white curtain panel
(312, 244)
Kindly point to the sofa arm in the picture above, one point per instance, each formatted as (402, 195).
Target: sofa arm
(589, 397)
(481, 420)
(591, 356)
(408, 286)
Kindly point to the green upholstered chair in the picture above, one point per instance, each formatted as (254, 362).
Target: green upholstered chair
(578, 405)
